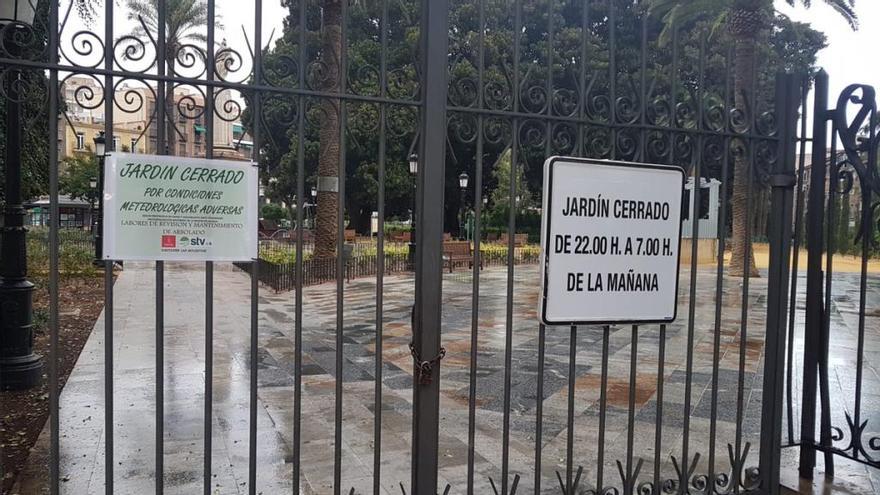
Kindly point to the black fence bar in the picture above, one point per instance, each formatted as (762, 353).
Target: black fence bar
(54, 328)
(782, 182)
(380, 261)
(603, 411)
(340, 241)
(539, 407)
(161, 148)
(255, 284)
(298, 261)
(569, 439)
(426, 334)
(160, 377)
(208, 440)
(813, 320)
(797, 240)
(477, 259)
(658, 413)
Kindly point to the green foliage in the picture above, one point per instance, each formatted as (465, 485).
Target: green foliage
(272, 211)
(75, 253)
(788, 46)
(34, 122)
(77, 173)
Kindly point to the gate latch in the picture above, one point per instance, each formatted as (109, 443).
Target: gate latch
(783, 180)
(424, 369)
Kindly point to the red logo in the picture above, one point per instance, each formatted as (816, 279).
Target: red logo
(169, 241)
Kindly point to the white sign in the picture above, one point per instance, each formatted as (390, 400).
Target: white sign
(610, 238)
(185, 209)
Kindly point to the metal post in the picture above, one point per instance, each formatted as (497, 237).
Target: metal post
(813, 318)
(20, 367)
(461, 228)
(412, 230)
(99, 219)
(782, 182)
(429, 279)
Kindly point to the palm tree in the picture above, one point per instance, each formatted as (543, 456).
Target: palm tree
(329, 148)
(745, 21)
(184, 20)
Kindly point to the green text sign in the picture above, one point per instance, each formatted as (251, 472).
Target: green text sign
(185, 209)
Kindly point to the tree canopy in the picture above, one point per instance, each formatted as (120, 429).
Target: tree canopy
(561, 67)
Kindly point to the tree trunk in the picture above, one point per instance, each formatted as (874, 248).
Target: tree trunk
(744, 72)
(329, 150)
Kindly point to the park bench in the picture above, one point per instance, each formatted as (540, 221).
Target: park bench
(519, 240)
(458, 253)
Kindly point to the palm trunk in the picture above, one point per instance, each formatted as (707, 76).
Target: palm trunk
(329, 150)
(744, 77)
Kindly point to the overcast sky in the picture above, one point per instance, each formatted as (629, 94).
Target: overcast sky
(850, 54)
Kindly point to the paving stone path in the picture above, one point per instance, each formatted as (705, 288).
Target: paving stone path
(82, 402)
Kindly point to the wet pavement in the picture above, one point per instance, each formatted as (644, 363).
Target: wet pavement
(82, 402)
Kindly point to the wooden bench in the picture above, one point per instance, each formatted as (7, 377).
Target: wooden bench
(519, 240)
(458, 253)
(400, 237)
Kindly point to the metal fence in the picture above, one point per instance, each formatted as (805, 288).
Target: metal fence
(830, 349)
(462, 91)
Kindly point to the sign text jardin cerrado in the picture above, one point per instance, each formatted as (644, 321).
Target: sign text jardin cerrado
(610, 238)
(184, 209)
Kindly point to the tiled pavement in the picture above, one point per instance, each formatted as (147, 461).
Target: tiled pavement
(134, 374)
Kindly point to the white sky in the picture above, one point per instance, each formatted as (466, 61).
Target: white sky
(850, 55)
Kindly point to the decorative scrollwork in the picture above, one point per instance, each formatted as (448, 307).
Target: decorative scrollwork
(16, 86)
(190, 61)
(229, 63)
(19, 40)
(227, 108)
(463, 127)
(463, 92)
(133, 54)
(859, 446)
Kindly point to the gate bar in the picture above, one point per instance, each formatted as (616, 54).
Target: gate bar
(54, 404)
(298, 269)
(380, 254)
(782, 182)
(798, 238)
(255, 265)
(429, 281)
(109, 95)
(161, 149)
(207, 456)
(813, 323)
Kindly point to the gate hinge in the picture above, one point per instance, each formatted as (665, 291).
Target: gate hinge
(783, 180)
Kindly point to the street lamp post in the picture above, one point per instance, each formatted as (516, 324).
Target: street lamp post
(314, 205)
(20, 367)
(413, 173)
(100, 153)
(462, 183)
(93, 214)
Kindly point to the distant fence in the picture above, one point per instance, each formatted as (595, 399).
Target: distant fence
(277, 263)
(69, 240)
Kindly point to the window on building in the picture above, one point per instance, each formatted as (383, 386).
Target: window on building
(134, 143)
(115, 143)
(181, 149)
(80, 141)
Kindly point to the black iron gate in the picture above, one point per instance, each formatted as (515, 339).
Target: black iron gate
(838, 344)
(472, 87)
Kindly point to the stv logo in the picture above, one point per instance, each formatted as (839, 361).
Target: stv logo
(169, 241)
